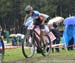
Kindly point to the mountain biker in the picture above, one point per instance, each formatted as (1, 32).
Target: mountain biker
(38, 18)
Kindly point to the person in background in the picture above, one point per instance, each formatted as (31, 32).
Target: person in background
(1, 32)
(57, 34)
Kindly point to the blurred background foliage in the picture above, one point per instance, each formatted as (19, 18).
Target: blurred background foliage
(12, 11)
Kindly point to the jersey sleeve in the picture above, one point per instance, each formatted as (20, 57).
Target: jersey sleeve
(45, 15)
(37, 12)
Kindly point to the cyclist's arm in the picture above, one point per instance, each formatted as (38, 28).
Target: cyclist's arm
(25, 19)
(44, 18)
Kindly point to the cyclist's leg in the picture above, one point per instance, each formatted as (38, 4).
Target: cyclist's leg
(42, 32)
(41, 26)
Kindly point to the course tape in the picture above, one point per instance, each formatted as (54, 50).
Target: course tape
(11, 47)
(53, 46)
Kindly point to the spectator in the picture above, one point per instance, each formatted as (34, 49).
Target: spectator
(14, 41)
(57, 35)
(1, 32)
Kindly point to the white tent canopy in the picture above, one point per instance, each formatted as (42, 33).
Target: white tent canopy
(55, 19)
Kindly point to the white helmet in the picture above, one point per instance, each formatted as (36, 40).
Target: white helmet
(28, 8)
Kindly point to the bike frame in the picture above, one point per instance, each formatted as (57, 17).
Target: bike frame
(37, 35)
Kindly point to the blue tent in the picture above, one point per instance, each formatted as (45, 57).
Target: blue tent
(69, 32)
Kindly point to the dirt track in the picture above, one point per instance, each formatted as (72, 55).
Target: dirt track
(43, 60)
(61, 57)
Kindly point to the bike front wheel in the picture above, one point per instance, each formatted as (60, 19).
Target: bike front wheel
(28, 47)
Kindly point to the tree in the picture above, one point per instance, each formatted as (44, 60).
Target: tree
(12, 11)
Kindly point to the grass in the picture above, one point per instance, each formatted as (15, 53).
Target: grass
(16, 54)
(13, 54)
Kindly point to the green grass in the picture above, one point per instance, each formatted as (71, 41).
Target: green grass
(16, 54)
(13, 54)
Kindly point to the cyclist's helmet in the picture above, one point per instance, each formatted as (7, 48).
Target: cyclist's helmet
(28, 9)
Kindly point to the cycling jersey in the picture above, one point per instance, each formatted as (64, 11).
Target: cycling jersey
(37, 13)
(32, 18)
(34, 15)
(29, 21)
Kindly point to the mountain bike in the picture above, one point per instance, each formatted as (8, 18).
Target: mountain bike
(1, 50)
(33, 42)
